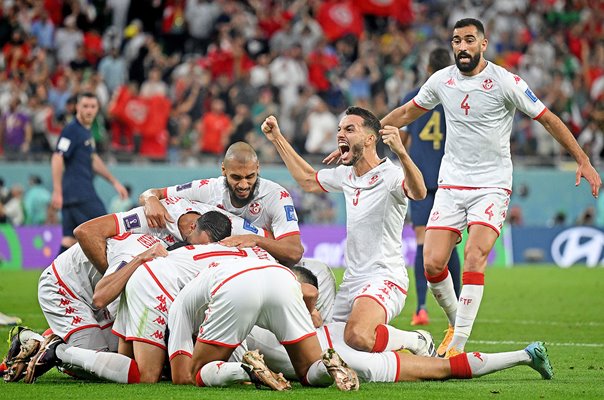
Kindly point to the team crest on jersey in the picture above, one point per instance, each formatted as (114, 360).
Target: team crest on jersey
(450, 82)
(132, 221)
(255, 208)
(435, 216)
(220, 206)
(183, 187)
(517, 79)
(531, 95)
(374, 179)
(249, 227)
(290, 213)
(487, 84)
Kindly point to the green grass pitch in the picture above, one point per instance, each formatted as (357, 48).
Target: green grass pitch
(563, 307)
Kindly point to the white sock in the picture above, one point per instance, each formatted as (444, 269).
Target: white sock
(482, 363)
(469, 303)
(220, 373)
(111, 366)
(444, 293)
(399, 339)
(27, 334)
(317, 375)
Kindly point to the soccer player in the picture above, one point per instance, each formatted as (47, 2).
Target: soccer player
(241, 192)
(73, 165)
(375, 283)
(425, 141)
(475, 178)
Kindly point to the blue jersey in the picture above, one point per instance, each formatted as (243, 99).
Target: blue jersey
(427, 142)
(77, 146)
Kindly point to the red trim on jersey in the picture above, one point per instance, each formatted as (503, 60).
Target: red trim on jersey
(540, 114)
(137, 339)
(473, 278)
(301, 338)
(377, 301)
(446, 228)
(119, 335)
(484, 224)
(248, 270)
(79, 328)
(216, 343)
(460, 367)
(107, 326)
(288, 234)
(134, 375)
(508, 191)
(321, 186)
(165, 192)
(439, 277)
(266, 233)
(418, 106)
(181, 353)
(238, 253)
(328, 336)
(198, 379)
(398, 287)
(117, 224)
(61, 283)
(398, 366)
(163, 289)
(123, 236)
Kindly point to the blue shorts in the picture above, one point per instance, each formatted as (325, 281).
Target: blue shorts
(420, 210)
(78, 213)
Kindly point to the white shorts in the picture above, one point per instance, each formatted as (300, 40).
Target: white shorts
(269, 297)
(143, 311)
(65, 312)
(387, 292)
(327, 286)
(457, 209)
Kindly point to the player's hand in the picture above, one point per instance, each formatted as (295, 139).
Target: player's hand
(57, 200)
(270, 128)
(121, 190)
(590, 174)
(317, 320)
(240, 241)
(157, 250)
(334, 156)
(156, 213)
(392, 138)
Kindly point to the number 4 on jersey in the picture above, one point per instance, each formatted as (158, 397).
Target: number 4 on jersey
(432, 132)
(465, 105)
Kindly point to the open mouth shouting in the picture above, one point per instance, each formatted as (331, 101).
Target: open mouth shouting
(344, 149)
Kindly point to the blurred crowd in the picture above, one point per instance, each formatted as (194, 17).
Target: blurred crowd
(179, 80)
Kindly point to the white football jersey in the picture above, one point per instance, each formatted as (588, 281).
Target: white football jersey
(271, 208)
(135, 221)
(479, 112)
(375, 211)
(81, 277)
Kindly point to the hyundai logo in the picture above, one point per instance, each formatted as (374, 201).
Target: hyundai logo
(580, 244)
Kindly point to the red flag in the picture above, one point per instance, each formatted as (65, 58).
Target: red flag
(401, 10)
(339, 18)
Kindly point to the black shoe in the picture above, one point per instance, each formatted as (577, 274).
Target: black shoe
(44, 360)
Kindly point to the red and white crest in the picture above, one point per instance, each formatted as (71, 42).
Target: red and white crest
(373, 179)
(254, 208)
(487, 84)
(517, 79)
(435, 216)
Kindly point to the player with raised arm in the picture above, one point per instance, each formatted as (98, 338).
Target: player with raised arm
(475, 178)
(241, 192)
(375, 283)
(425, 140)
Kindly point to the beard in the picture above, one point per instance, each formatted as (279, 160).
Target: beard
(357, 154)
(235, 199)
(474, 60)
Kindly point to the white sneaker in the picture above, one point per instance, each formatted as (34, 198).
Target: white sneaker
(7, 320)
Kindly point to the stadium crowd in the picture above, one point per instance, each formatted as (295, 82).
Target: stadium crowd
(179, 80)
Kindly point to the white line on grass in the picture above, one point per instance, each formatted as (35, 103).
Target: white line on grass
(548, 343)
(534, 322)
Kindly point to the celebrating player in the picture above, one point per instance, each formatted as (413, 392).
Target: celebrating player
(475, 177)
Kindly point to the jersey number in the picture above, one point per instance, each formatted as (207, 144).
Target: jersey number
(432, 132)
(465, 105)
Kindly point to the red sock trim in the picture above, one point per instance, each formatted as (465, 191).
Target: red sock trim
(460, 367)
(438, 278)
(134, 376)
(198, 379)
(47, 332)
(473, 278)
(381, 339)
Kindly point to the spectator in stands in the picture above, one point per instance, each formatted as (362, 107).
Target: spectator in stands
(17, 53)
(36, 202)
(13, 209)
(15, 131)
(322, 126)
(154, 86)
(59, 94)
(67, 40)
(43, 29)
(113, 70)
(214, 129)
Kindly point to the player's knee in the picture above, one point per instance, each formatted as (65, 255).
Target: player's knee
(359, 338)
(432, 265)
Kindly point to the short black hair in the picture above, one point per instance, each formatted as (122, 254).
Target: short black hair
(217, 225)
(462, 23)
(304, 275)
(369, 119)
(439, 59)
(89, 95)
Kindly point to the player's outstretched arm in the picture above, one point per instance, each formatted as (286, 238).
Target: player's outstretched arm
(414, 180)
(300, 170)
(560, 132)
(155, 211)
(403, 115)
(110, 286)
(92, 236)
